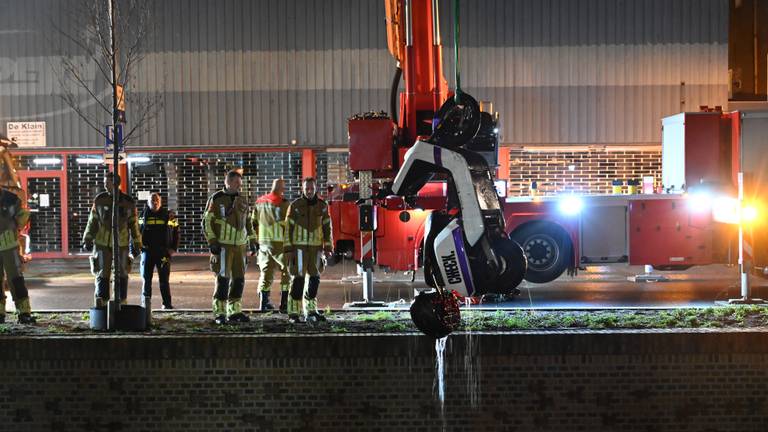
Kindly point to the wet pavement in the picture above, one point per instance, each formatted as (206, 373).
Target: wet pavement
(68, 285)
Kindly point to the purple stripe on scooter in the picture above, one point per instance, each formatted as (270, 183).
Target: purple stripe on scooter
(438, 154)
(458, 241)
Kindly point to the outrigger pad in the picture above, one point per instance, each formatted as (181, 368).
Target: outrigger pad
(436, 314)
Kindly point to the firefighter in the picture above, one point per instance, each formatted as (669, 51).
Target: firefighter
(308, 241)
(13, 217)
(269, 224)
(229, 232)
(160, 237)
(98, 238)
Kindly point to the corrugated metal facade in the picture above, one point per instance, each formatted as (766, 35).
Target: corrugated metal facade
(593, 71)
(266, 72)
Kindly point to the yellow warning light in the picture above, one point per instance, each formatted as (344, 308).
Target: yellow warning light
(749, 213)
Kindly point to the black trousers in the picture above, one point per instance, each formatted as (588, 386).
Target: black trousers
(162, 262)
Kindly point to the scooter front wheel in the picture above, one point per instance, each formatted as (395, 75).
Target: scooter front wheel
(436, 313)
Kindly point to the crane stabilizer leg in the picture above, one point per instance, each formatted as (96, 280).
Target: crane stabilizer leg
(367, 241)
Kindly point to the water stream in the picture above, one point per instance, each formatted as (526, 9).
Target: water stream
(471, 365)
(472, 370)
(439, 382)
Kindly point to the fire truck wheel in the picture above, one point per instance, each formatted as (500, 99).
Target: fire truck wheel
(547, 248)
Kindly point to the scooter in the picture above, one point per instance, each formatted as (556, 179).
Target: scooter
(466, 250)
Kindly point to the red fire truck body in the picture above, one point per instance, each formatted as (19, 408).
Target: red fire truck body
(674, 230)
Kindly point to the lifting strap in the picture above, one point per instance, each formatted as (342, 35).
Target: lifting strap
(456, 34)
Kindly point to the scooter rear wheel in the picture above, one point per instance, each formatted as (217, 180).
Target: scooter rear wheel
(513, 265)
(458, 122)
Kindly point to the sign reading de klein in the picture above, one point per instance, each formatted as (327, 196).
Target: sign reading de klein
(27, 134)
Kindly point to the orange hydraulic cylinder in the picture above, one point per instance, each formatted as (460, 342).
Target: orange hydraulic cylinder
(425, 86)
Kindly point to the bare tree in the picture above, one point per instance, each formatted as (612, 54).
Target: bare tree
(110, 35)
(91, 29)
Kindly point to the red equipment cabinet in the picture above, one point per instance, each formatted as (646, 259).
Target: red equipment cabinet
(371, 145)
(670, 232)
(696, 149)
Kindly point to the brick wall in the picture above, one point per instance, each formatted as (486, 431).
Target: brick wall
(584, 170)
(565, 381)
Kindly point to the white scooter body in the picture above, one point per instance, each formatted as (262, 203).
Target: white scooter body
(451, 259)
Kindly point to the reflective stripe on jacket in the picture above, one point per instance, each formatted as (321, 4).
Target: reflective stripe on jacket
(159, 230)
(99, 226)
(269, 219)
(309, 224)
(13, 217)
(226, 220)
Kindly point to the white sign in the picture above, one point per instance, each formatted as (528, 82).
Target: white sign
(45, 200)
(144, 195)
(27, 134)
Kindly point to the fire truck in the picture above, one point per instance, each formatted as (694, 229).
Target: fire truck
(688, 218)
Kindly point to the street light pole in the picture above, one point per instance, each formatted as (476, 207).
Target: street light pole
(744, 262)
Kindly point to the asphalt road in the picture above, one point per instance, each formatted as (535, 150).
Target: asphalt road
(68, 285)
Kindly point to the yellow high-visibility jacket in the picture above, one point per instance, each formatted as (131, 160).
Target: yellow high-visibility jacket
(99, 227)
(13, 217)
(269, 220)
(309, 224)
(226, 220)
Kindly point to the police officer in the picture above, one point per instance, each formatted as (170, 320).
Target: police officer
(98, 237)
(13, 217)
(308, 241)
(269, 223)
(229, 232)
(160, 237)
